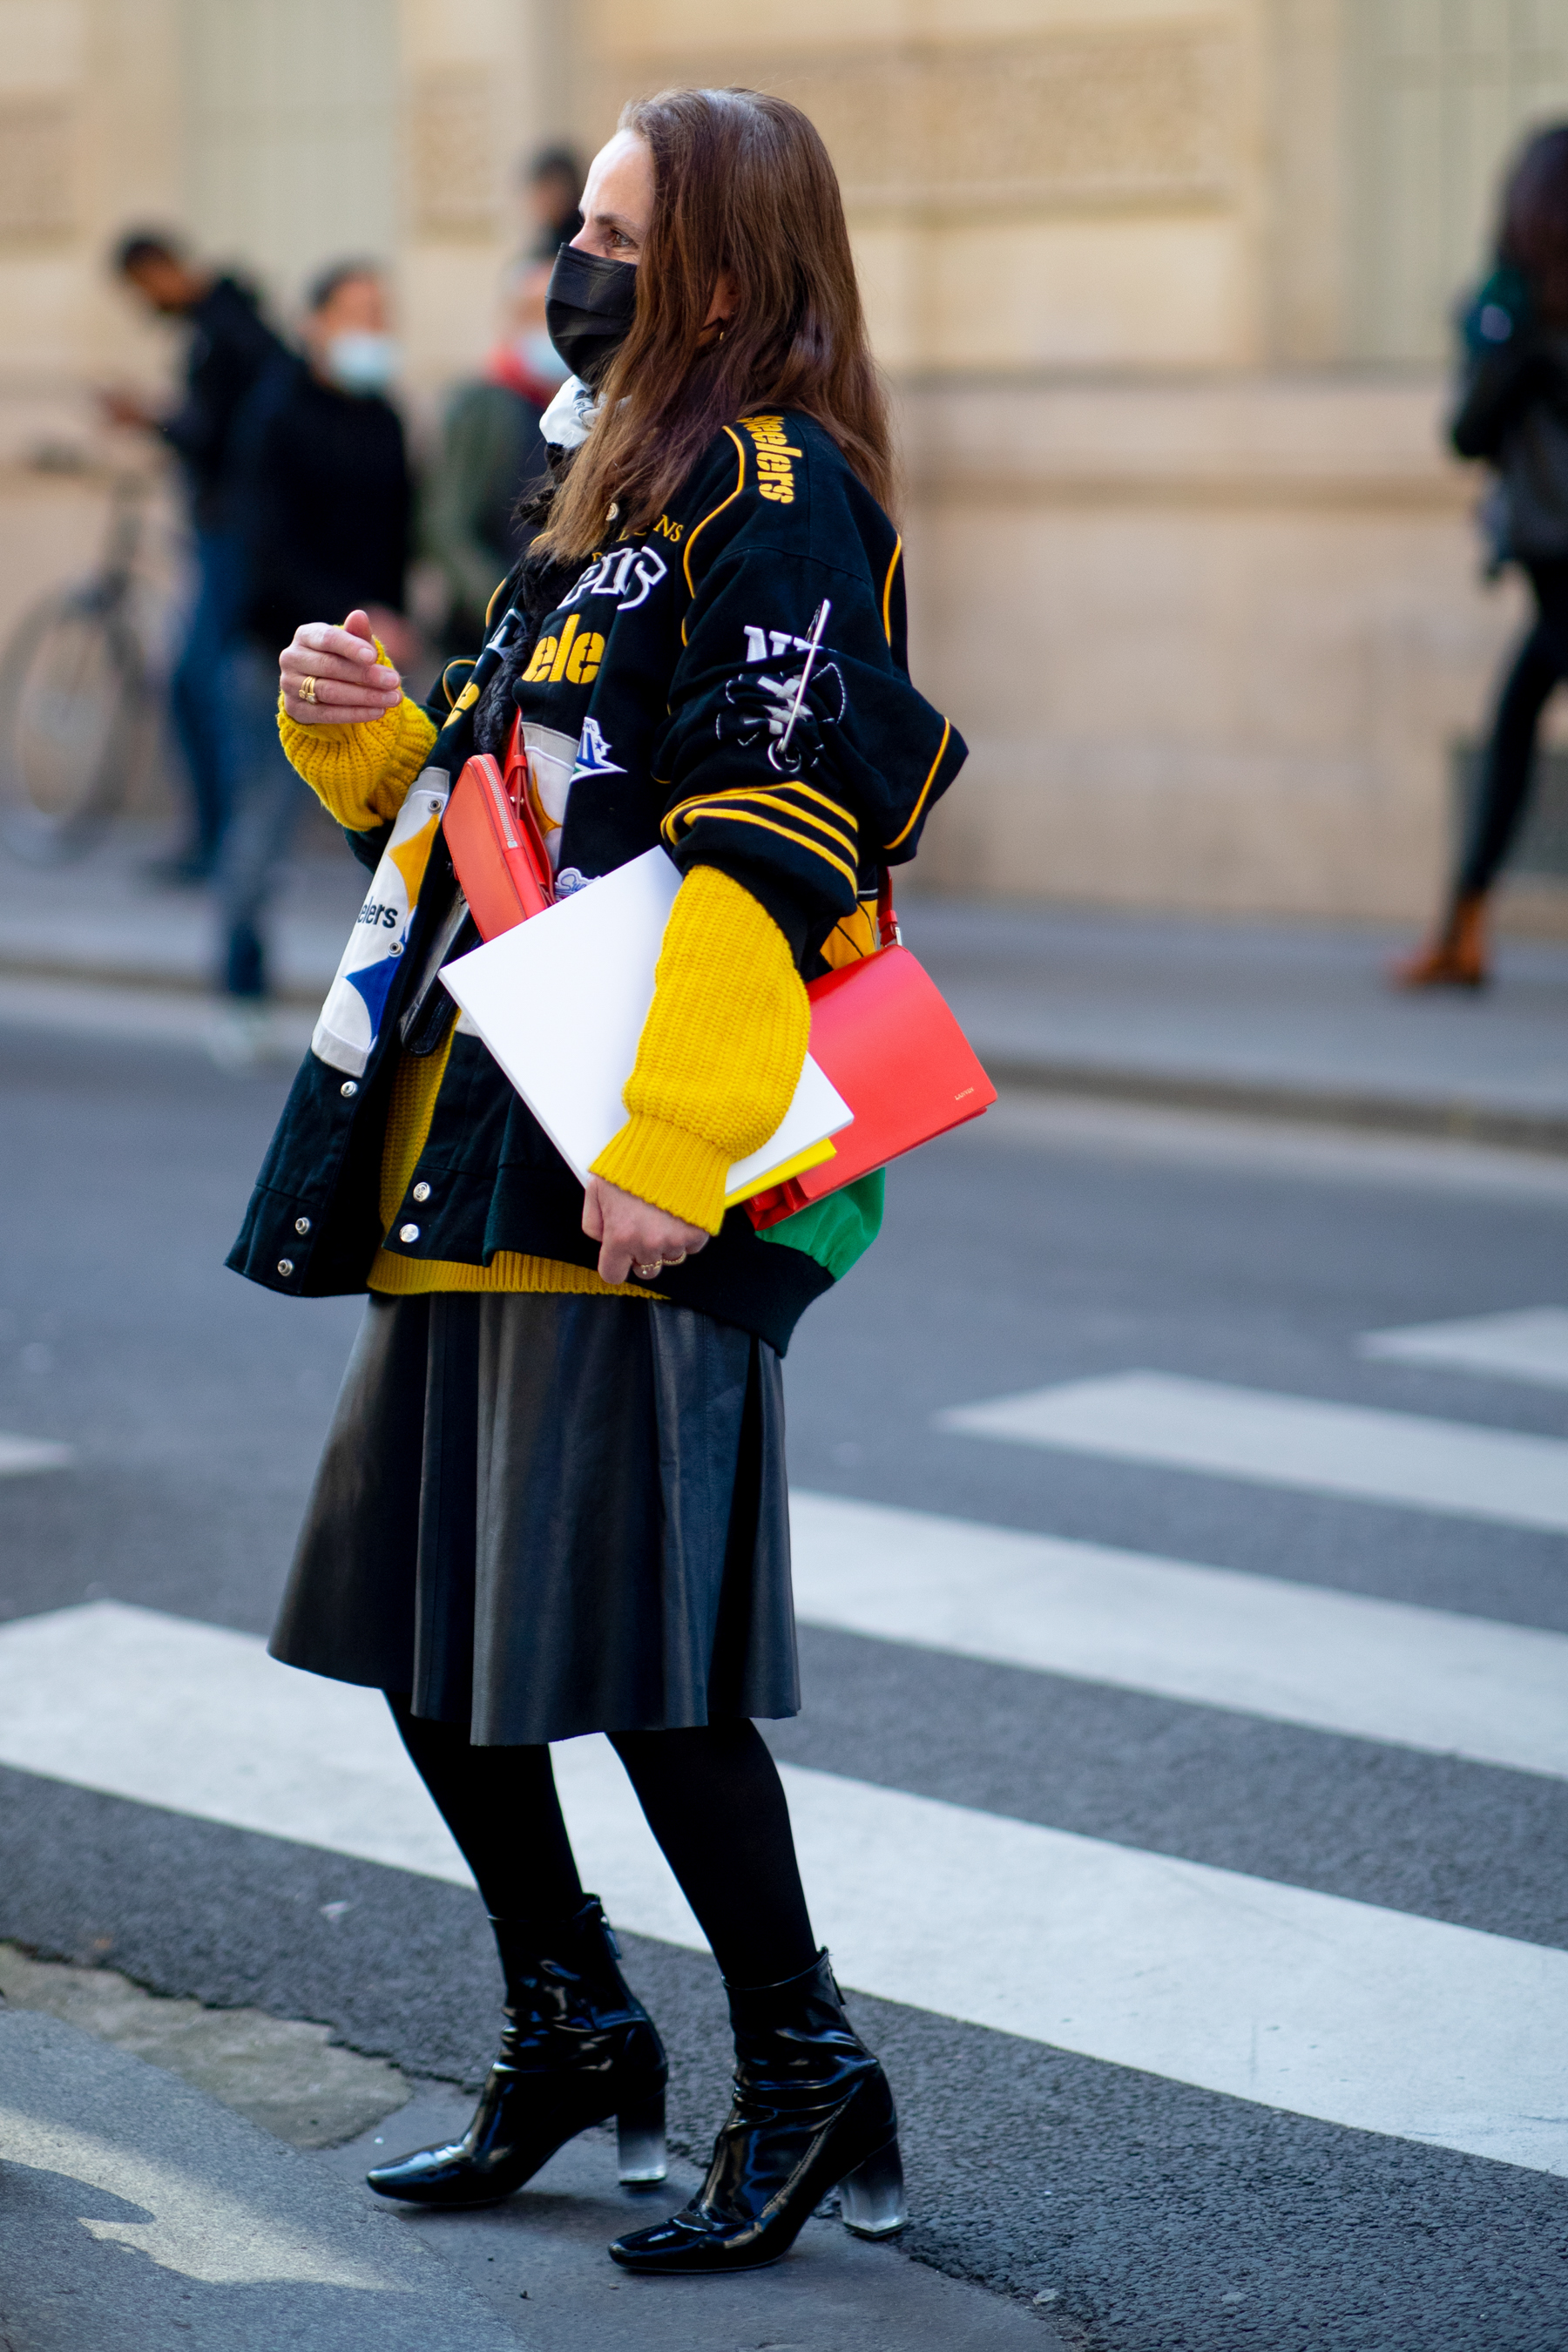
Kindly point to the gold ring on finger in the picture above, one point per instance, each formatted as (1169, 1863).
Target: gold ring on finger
(679, 1259)
(307, 689)
(647, 1273)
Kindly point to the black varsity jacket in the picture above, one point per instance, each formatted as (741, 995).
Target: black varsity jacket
(670, 662)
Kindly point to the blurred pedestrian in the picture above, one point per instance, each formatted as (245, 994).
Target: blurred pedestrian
(325, 502)
(1512, 414)
(230, 347)
(552, 190)
(553, 1499)
(491, 458)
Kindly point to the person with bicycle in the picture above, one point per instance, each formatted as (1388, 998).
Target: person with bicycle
(230, 347)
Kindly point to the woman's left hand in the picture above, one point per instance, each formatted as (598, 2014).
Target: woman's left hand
(634, 1237)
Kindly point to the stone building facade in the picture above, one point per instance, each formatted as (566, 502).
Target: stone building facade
(1162, 288)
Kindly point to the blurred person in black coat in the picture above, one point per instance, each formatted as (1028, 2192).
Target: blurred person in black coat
(325, 502)
(1512, 414)
(231, 347)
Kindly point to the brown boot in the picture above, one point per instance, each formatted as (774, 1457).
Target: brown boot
(1457, 957)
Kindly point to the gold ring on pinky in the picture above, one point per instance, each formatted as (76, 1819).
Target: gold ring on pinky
(647, 1273)
(307, 689)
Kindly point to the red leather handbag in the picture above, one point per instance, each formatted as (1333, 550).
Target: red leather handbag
(498, 851)
(882, 1033)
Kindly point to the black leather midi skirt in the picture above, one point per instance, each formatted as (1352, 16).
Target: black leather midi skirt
(542, 1516)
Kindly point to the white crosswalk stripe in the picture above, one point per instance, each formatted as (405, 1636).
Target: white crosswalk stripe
(1334, 1660)
(1531, 1345)
(19, 1456)
(1403, 1458)
(1270, 1993)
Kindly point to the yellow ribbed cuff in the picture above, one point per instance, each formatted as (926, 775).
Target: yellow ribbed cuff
(680, 1172)
(509, 1271)
(360, 772)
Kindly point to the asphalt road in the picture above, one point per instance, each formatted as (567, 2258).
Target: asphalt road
(1155, 2214)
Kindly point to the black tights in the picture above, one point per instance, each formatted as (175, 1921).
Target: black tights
(1539, 666)
(712, 1798)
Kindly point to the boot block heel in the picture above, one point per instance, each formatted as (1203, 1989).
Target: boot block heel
(871, 2198)
(640, 2133)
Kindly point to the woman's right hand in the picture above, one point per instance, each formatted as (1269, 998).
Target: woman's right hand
(348, 682)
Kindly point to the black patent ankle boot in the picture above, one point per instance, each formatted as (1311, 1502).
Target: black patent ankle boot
(578, 2048)
(812, 2113)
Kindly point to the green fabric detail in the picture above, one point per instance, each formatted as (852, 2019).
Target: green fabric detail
(837, 1230)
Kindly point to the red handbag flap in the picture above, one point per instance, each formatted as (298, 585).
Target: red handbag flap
(882, 1033)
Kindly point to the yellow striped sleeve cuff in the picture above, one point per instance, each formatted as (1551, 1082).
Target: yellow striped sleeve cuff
(797, 813)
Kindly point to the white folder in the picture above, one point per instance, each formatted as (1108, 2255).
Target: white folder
(561, 1001)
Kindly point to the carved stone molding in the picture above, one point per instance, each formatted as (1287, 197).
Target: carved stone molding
(453, 156)
(1088, 120)
(37, 191)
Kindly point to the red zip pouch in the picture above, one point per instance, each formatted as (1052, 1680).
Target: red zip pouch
(498, 850)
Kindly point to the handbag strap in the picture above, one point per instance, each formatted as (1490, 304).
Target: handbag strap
(887, 932)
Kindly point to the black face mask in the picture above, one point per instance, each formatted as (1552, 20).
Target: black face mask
(589, 307)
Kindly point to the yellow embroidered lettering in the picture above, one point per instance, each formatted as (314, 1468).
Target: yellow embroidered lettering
(558, 667)
(543, 654)
(775, 475)
(583, 661)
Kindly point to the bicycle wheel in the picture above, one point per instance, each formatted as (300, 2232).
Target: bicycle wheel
(73, 724)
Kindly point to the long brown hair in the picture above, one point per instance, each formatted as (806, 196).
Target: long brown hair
(1534, 237)
(742, 184)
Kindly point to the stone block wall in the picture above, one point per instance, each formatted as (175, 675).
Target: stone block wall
(1159, 283)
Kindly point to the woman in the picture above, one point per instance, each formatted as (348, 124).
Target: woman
(1513, 412)
(553, 1499)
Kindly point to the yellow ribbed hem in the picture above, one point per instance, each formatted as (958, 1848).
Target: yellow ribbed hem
(414, 1087)
(408, 1277)
(360, 772)
(680, 1172)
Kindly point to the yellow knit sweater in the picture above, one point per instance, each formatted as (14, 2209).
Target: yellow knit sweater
(718, 1059)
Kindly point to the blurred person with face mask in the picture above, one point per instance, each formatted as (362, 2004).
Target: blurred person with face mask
(492, 457)
(230, 347)
(325, 502)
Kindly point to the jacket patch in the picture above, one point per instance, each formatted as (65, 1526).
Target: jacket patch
(574, 655)
(763, 644)
(620, 573)
(593, 754)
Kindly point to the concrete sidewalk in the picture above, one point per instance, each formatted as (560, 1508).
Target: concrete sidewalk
(136, 2210)
(1280, 1020)
(1285, 1020)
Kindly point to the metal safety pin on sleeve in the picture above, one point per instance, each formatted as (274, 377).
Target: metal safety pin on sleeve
(345, 1035)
